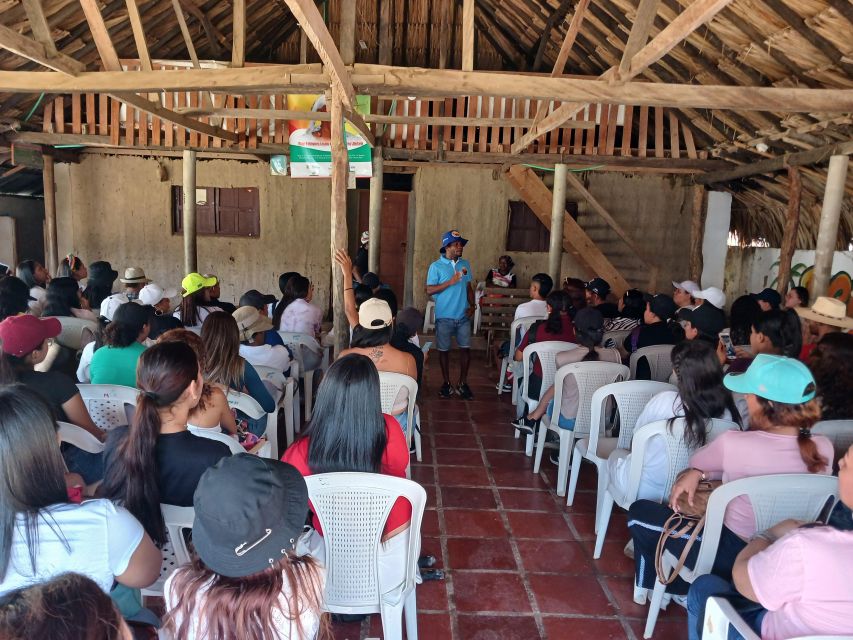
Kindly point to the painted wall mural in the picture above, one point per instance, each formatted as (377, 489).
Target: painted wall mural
(840, 284)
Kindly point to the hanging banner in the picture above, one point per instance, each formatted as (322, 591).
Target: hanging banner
(311, 140)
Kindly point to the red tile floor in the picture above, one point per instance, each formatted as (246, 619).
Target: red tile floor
(518, 560)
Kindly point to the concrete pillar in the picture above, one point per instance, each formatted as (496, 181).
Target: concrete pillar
(558, 210)
(189, 221)
(374, 220)
(51, 252)
(827, 233)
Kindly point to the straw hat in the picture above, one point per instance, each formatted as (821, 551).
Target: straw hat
(829, 311)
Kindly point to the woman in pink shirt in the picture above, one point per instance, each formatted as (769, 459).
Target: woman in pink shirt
(780, 395)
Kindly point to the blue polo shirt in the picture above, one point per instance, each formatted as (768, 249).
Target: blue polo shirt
(452, 302)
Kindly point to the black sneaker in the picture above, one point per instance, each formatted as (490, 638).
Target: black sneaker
(446, 390)
(464, 391)
(524, 425)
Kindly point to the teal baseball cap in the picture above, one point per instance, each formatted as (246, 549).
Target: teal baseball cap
(774, 378)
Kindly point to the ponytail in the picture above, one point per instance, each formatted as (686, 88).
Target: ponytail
(560, 303)
(802, 417)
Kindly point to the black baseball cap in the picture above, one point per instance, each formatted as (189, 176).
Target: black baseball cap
(705, 318)
(254, 298)
(663, 306)
(102, 271)
(249, 512)
(598, 286)
(371, 280)
(770, 296)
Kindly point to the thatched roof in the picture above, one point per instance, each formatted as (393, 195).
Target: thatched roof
(782, 43)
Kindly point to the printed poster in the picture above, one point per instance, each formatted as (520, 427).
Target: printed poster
(311, 140)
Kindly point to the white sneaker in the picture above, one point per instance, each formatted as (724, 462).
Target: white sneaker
(681, 601)
(629, 549)
(641, 595)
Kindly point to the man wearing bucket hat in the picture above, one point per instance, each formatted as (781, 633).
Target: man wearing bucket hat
(253, 326)
(826, 315)
(449, 283)
(134, 279)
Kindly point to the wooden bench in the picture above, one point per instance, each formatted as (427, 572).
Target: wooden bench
(497, 311)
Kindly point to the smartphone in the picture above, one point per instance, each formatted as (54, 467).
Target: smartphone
(427, 346)
(726, 339)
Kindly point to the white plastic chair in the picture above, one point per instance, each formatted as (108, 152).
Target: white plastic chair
(617, 335)
(175, 552)
(429, 316)
(515, 331)
(248, 405)
(720, 615)
(546, 352)
(215, 433)
(107, 403)
(76, 332)
(295, 341)
(659, 358)
(353, 509)
(283, 391)
(678, 454)
(840, 433)
(390, 384)
(478, 293)
(801, 496)
(79, 437)
(589, 376)
(631, 397)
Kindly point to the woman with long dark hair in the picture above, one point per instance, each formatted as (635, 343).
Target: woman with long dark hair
(36, 277)
(780, 394)
(99, 285)
(631, 306)
(14, 297)
(831, 363)
(773, 332)
(195, 300)
(700, 397)
(296, 314)
(744, 313)
(264, 592)
(65, 299)
(72, 267)
(123, 342)
(42, 533)
(156, 459)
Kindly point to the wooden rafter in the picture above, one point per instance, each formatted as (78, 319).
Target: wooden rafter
(138, 34)
(185, 32)
(553, 20)
(39, 26)
(26, 47)
(639, 35)
(687, 21)
(468, 35)
(238, 48)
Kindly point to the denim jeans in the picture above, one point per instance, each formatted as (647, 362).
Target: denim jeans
(710, 585)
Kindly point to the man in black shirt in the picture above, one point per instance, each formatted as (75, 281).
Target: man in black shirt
(597, 291)
(406, 325)
(359, 265)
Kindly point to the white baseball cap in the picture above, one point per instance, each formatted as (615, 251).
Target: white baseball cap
(713, 295)
(152, 293)
(688, 285)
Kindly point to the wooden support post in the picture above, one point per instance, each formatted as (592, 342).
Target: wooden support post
(827, 233)
(303, 47)
(374, 220)
(411, 226)
(51, 251)
(238, 42)
(189, 219)
(558, 211)
(792, 223)
(697, 232)
(386, 42)
(443, 33)
(468, 35)
(340, 167)
(346, 33)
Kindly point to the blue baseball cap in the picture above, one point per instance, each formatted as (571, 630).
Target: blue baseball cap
(450, 237)
(774, 378)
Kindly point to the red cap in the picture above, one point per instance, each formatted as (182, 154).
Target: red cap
(24, 334)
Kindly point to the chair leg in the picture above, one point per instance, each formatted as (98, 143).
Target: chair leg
(502, 377)
(308, 384)
(410, 614)
(540, 446)
(528, 445)
(392, 621)
(287, 404)
(606, 510)
(654, 609)
(566, 441)
(577, 460)
(601, 470)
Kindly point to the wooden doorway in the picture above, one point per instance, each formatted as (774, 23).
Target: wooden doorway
(392, 245)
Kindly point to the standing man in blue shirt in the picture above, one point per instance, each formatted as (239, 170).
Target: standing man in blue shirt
(449, 283)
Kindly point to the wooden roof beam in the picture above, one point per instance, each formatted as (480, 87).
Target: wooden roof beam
(185, 32)
(39, 26)
(643, 21)
(238, 48)
(28, 48)
(138, 34)
(556, 17)
(468, 35)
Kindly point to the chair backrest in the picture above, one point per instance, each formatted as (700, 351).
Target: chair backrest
(517, 327)
(617, 335)
(79, 437)
(659, 357)
(390, 384)
(295, 340)
(214, 433)
(631, 397)
(106, 403)
(76, 332)
(840, 433)
(546, 352)
(353, 509)
(801, 496)
(248, 405)
(177, 519)
(589, 376)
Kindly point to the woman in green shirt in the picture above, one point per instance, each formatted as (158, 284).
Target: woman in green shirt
(115, 361)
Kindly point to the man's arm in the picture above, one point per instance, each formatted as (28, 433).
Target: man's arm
(471, 303)
(432, 289)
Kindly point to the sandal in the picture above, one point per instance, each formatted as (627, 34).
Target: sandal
(425, 562)
(432, 574)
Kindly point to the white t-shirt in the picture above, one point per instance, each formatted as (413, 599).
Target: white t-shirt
(301, 317)
(536, 308)
(40, 294)
(83, 374)
(202, 312)
(266, 355)
(285, 629)
(95, 538)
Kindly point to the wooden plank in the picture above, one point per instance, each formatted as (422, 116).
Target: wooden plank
(604, 121)
(76, 115)
(103, 114)
(138, 34)
(129, 125)
(346, 32)
(571, 36)
(385, 37)
(642, 142)
(659, 153)
(101, 36)
(238, 25)
(194, 101)
(59, 114)
(458, 132)
(674, 140)
(142, 131)
(180, 132)
(169, 134)
(697, 232)
(91, 115)
(611, 130)
(28, 48)
(39, 26)
(640, 29)
(47, 118)
(265, 124)
(468, 35)
(340, 167)
(578, 146)
(253, 124)
(689, 144)
(590, 135)
(115, 122)
(185, 32)
(627, 130)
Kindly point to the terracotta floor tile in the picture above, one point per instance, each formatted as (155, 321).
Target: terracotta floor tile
(584, 502)
(613, 560)
(432, 545)
(431, 490)
(583, 629)
(429, 525)
(524, 479)
(432, 596)
(456, 476)
(449, 414)
(470, 497)
(478, 553)
(664, 629)
(569, 594)
(498, 627)
(585, 525)
(623, 591)
(426, 453)
(447, 426)
(502, 442)
(465, 523)
(475, 592)
(433, 626)
(468, 457)
(423, 474)
(456, 441)
(529, 500)
(554, 556)
(507, 460)
(536, 525)
(349, 631)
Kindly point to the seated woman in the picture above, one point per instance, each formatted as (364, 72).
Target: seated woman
(64, 299)
(700, 397)
(253, 327)
(349, 432)
(631, 306)
(780, 393)
(264, 590)
(773, 332)
(161, 300)
(790, 581)
(502, 275)
(743, 315)
(195, 300)
(295, 314)
(25, 344)
(72, 267)
(589, 328)
(99, 285)
(156, 459)
(36, 277)
(831, 363)
(14, 297)
(123, 342)
(46, 535)
(796, 297)
(225, 367)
